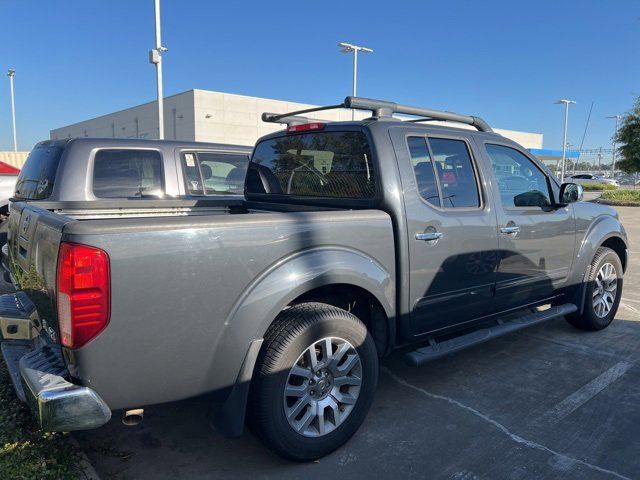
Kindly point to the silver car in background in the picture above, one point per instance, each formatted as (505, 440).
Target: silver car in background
(589, 178)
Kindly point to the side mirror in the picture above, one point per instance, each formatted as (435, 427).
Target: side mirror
(532, 198)
(570, 193)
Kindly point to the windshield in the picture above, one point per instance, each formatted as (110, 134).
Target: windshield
(38, 174)
(319, 164)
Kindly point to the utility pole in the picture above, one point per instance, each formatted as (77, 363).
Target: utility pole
(599, 160)
(564, 133)
(613, 154)
(155, 57)
(570, 168)
(11, 73)
(348, 48)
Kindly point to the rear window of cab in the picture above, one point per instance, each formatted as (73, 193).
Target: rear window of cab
(318, 164)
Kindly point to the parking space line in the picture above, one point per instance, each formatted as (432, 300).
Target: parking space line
(499, 426)
(627, 299)
(579, 347)
(585, 393)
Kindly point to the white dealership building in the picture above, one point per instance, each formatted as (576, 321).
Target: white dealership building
(206, 116)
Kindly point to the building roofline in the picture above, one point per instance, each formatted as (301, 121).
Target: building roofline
(253, 97)
(119, 111)
(76, 124)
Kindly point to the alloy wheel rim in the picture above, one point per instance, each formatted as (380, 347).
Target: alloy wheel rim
(322, 387)
(604, 290)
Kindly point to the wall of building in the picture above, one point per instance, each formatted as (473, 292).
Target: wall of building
(526, 139)
(237, 119)
(207, 116)
(139, 122)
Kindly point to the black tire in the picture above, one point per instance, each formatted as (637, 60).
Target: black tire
(293, 332)
(588, 319)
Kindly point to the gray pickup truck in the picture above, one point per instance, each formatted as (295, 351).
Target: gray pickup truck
(354, 239)
(73, 173)
(103, 169)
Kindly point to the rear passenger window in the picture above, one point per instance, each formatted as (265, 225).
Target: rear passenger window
(446, 166)
(423, 168)
(208, 173)
(127, 174)
(455, 172)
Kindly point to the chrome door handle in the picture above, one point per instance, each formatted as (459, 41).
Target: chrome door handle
(510, 230)
(429, 236)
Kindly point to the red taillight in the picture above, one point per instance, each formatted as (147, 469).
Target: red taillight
(83, 293)
(305, 127)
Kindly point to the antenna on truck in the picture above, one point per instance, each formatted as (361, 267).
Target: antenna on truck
(379, 109)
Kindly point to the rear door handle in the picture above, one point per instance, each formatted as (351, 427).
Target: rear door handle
(429, 236)
(512, 230)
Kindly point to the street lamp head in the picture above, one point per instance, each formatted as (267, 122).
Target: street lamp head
(565, 101)
(348, 48)
(11, 72)
(617, 117)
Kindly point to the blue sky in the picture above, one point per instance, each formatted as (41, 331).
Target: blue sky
(506, 61)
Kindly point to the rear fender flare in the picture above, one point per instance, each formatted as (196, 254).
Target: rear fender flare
(285, 281)
(268, 295)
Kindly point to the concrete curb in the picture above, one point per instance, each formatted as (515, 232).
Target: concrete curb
(87, 470)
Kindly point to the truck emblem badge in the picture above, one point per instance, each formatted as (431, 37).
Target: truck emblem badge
(50, 331)
(25, 224)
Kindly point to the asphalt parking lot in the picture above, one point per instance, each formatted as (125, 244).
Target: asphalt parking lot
(549, 402)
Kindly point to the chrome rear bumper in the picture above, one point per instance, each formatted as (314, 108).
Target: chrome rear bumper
(59, 405)
(39, 374)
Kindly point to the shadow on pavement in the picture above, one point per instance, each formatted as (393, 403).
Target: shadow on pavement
(482, 413)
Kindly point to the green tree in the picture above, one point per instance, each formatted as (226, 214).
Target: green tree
(628, 140)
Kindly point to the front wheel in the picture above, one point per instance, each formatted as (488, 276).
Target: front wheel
(314, 382)
(603, 292)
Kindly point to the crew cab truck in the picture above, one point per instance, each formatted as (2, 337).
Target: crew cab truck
(103, 169)
(354, 238)
(77, 171)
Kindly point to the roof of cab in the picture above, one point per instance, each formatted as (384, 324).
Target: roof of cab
(143, 143)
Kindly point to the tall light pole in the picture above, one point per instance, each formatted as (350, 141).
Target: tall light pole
(348, 48)
(613, 154)
(11, 73)
(155, 57)
(564, 133)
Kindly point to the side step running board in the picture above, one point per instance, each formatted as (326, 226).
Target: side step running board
(436, 350)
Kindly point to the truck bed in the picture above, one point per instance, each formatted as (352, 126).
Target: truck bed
(144, 207)
(186, 288)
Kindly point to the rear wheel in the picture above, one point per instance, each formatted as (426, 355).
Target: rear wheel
(315, 380)
(603, 292)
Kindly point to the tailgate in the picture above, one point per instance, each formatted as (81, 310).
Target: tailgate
(33, 240)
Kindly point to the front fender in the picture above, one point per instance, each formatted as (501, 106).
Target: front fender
(599, 231)
(286, 280)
